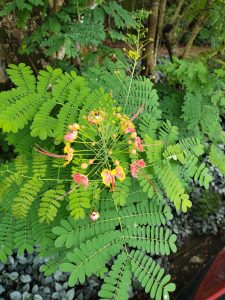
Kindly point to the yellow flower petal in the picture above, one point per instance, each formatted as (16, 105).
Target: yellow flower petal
(107, 177)
(119, 173)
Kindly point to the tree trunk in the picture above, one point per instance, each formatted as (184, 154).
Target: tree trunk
(197, 27)
(162, 8)
(55, 5)
(151, 35)
(177, 12)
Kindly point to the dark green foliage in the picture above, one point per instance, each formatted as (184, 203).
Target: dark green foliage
(209, 203)
(217, 158)
(116, 285)
(196, 105)
(199, 102)
(64, 28)
(158, 286)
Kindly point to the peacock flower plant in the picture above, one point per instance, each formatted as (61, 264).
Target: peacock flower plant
(103, 151)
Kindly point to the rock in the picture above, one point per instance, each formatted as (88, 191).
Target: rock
(57, 275)
(46, 290)
(89, 293)
(64, 277)
(34, 289)
(26, 287)
(22, 260)
(37, 262)
(30, 259)
(80, 297)
(2, 266)
(11, 260)
(56, 295)
(26, 296)
(2, 289)
(13, 276)
(15, 295)
(65, 285)
(70, 294)
(25, 278)
(38, 297)
(29, 270)
(48, 280)
(196, 260)
(131, 293)
(63, 295)
(58, 287)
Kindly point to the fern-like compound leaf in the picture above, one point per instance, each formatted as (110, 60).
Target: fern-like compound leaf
(121, 191)
(23, 236)
(151, 276)
(6, 236)
(22, 76)
(153, 240)
(28, 192)
(117, 283)
(173, 187)
(217, 157)
(168, 133)
(50, 203)
(84, 260)
(43, 124)
(79, 199)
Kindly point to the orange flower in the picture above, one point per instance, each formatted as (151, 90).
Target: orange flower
(70, 153)
(108, 176)
(81, 179)
(138, 144)
(71, 136)
(136, 166)
(119, 173)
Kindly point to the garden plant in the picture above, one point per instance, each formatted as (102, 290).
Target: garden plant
(102, 146)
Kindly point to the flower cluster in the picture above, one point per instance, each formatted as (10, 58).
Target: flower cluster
(95, 146)
(133, 54)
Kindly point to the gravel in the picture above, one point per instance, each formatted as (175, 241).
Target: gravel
(25, 278)
(20, 279)
(2, 289)
(15, 295)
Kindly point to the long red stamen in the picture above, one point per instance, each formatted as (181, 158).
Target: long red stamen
(140, 109)
(47, 153)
